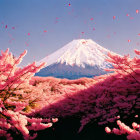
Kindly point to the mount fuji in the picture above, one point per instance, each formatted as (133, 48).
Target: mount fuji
(79, 58)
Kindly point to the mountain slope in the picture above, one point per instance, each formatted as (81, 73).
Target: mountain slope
(79, 58)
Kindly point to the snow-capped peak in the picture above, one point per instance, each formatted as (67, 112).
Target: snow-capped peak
(79, 52)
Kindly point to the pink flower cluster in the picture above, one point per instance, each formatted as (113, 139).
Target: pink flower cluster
(132, 133)
(103, 99)
(16, 97)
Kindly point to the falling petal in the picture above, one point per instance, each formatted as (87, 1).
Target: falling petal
(28, 34)
(139, 34)
(69, 4)
(13, 28)
(45, 31)
(6, 26)
(91, 19)
(129, 40)
(114, 17)
(93, 29)
(127, 15)
(137, 11)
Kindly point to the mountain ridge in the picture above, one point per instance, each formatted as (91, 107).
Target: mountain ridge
(79, 58)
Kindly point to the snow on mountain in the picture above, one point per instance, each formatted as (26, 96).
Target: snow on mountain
(79, 58)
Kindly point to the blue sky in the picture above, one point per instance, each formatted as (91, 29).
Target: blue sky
(43, 26)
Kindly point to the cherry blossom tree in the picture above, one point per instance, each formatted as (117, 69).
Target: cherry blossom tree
(132, 68)
(17, 97)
